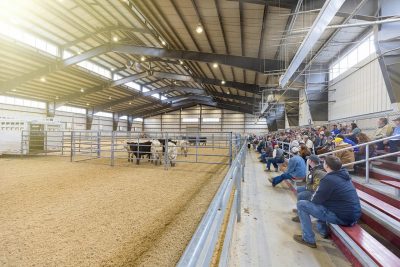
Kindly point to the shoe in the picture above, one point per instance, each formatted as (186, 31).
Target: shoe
(299, 239)
(267, 170)
(296, 219)
(272, 181)
(276, 170)
(294, 210)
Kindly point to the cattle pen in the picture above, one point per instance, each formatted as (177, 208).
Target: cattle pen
(130, 213)
(115, 147)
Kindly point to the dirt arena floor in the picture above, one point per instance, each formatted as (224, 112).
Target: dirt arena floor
(60, 213)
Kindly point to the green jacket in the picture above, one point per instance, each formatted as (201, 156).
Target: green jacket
(314, 177)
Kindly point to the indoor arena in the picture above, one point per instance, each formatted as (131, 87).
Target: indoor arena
(195, 133)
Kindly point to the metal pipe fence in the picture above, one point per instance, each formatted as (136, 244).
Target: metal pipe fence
(202, 246)
(124, 147)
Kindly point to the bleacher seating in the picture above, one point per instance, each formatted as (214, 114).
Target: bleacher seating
(376, 240)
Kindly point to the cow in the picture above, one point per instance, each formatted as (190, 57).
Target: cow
(172, 153)
(156, 151)
(140, 150)
(184, 145)
(193, 140)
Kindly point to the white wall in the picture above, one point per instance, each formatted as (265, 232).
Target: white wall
(361, 92)
(70, 120)
(229, 121)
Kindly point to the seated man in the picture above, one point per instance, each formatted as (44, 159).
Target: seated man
(296, 168)
(384, 130)
(394, 143)
(266, 153)
(317, 172)
(277, 157)
(345, 156)
(335, 201)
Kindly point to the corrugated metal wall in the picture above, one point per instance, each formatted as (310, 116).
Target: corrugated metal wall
(359, 92)
(228, 121)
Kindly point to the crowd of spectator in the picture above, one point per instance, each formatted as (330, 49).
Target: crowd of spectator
(328, 193)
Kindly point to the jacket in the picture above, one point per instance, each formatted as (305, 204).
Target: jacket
(383, 132)
(314, 177)
(346, 156)
(337, 193)
(296, 167)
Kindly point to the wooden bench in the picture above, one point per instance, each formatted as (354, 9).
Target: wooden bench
(380, 205)
(371, 247)
(394, 184)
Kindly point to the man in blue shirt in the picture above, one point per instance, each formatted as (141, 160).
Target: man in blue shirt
(335, 201)
(394, 143)
(296, 168)
(335, 131)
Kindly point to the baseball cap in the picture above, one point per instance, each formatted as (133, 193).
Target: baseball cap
(295, 149)
(314, 158)
(337, 140)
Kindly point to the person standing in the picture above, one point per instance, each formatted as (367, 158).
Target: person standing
(335, 201)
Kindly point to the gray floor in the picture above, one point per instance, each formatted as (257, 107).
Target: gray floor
(264, 237)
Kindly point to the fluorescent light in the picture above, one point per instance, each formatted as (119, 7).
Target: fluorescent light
(163, 42)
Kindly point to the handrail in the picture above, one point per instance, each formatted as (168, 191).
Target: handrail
(367, 157)
(201, 247)
(360, 145)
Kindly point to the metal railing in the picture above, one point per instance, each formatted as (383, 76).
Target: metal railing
(367, 159)
(202, 246)
(111, 147)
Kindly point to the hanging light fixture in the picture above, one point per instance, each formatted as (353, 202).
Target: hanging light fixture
(43, 79)
(115, 39)
(215, 65)
(82, 90)
(199, 28)
(142, 58)
(222, 82)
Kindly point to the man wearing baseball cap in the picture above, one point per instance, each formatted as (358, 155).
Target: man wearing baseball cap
(317, 172)
(296, 168)
(394, 143)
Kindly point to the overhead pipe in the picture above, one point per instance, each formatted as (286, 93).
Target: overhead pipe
(327, 13)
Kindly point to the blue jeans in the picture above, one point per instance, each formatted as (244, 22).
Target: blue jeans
(394, 145)
(274, 162)
(303, 193)
(264, 157)
(284, 176)
(306, 208)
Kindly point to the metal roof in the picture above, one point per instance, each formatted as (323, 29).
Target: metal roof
(244, 37)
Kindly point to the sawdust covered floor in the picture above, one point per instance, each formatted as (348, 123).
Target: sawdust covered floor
(57, 213)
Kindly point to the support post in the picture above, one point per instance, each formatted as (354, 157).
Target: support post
(72, 146)
(367, 164)
(62, 143)
(98, 144)
(112, 147)
(166, 158)
(239, 194)
(230, 149)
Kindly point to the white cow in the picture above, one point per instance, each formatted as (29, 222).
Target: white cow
(156, 151)
(172, 153)
(184, 145)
